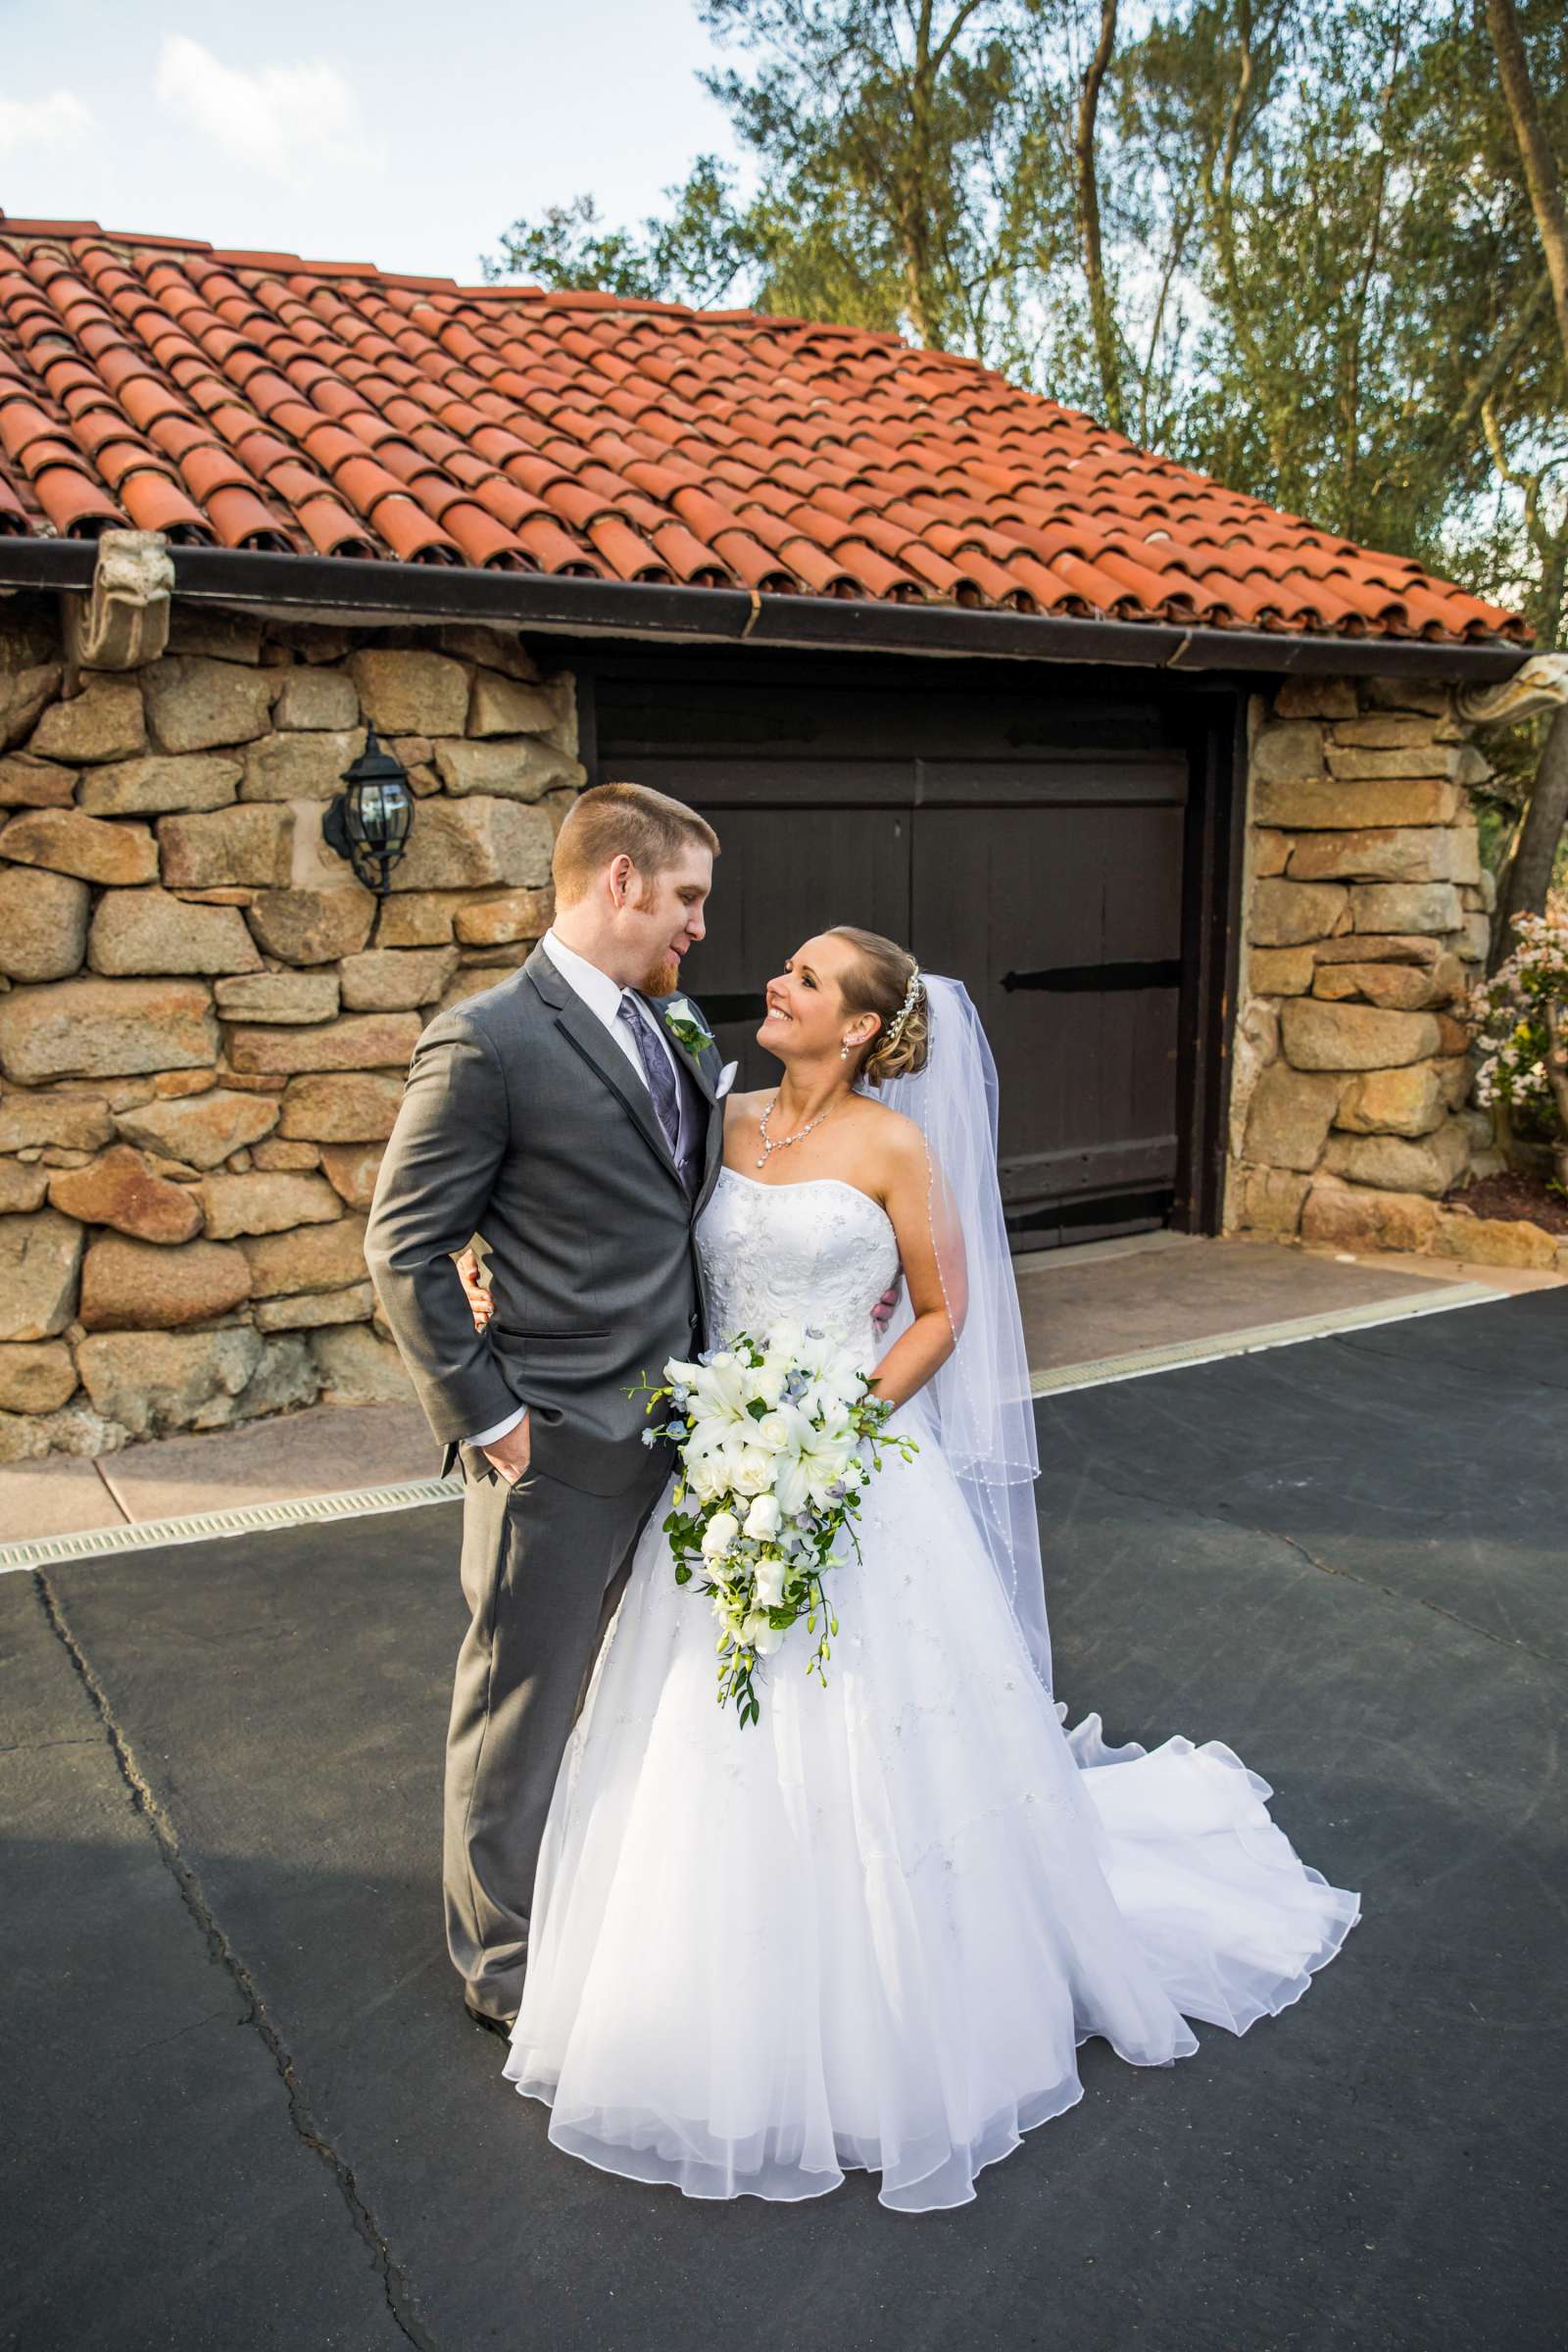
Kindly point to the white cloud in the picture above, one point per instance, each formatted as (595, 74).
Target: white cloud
(52, 122)
(275, 118)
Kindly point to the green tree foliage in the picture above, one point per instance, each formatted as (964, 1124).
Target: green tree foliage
(1302, 245)
(875, 128)
(695, 254)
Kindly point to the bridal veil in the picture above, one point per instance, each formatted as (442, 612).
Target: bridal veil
(979, 1404)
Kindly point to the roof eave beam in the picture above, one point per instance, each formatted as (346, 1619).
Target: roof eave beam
(348, 591)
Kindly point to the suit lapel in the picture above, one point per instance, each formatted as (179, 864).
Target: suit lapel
(714, 1149)
(714, 1157)
(593, 1041)
(695, 1062)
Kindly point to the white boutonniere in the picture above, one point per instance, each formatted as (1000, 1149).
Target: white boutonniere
(686, 1026)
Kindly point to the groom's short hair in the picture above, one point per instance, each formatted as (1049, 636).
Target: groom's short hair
(614, 820)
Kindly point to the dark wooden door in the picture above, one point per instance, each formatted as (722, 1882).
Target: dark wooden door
(795, 845)
(1053, 890)
(1041, 850)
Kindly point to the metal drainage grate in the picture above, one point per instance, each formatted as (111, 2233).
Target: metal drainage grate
(1139, 1360)
(248, 1519)
(245, 1519)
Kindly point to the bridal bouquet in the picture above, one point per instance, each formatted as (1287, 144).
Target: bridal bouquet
(778, 1439)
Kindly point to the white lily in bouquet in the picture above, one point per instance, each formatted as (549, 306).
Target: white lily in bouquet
(777, 1439)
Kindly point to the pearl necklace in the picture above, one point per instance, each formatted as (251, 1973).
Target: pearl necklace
(770, 1145)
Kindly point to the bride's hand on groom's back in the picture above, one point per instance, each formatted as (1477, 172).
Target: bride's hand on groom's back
(481, 1301)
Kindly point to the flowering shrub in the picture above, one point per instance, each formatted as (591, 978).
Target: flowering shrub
(777, 1439)
(1521, 1018)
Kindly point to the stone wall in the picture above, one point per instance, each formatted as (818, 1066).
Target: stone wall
(1366, 919)
(205, 1019)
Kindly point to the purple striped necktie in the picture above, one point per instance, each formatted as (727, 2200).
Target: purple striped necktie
(655, 1068)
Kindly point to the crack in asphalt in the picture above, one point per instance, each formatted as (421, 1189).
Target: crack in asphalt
(1366, 1584)
(1483, 1633)
(209, 2017)
(394, 2283)
(1465, 1368)
(36, 1747)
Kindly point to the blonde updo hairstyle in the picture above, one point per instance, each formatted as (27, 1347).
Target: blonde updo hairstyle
(878, 981)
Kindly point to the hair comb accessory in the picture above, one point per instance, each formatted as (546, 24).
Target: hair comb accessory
(896, 1030)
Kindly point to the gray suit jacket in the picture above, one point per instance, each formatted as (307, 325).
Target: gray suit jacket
(522, 1119)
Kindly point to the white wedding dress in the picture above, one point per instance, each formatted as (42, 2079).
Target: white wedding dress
(872, 1930)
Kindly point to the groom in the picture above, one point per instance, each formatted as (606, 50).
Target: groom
(570, 1114)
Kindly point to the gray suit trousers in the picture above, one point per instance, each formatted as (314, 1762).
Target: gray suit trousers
(544, 1566)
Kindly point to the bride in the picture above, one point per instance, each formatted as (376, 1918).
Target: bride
(872, 1930)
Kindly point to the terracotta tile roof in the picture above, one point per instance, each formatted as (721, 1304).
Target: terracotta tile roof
(253, 400)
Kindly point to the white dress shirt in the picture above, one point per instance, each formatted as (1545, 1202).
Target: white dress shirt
(602, 996)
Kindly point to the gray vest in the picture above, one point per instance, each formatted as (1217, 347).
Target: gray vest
(691, 1152)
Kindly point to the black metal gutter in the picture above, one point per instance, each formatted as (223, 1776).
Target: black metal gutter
(349, 590)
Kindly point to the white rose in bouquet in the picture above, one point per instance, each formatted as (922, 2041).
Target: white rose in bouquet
(784, 1345)
(758, 1634)
(763, 1517)
(766, 1383)
(752, 1471)
(768, 1577)
(720, 1534)
(706, 1477)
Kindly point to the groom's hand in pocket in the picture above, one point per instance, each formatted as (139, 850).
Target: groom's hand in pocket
(509, 1456)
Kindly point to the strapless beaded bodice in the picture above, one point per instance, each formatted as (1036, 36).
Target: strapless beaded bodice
(820, 1252)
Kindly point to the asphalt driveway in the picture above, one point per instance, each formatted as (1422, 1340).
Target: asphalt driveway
(243, 2107)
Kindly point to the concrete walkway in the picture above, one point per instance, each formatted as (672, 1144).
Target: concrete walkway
(244, 2108)
(1100, 1311)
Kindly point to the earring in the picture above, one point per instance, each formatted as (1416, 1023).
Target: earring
(844, 1051)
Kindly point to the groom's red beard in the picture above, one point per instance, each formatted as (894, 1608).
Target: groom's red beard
(664, 977)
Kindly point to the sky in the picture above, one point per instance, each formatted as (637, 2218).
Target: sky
(406, 135)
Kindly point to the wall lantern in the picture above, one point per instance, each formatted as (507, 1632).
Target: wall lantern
(369, 824)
